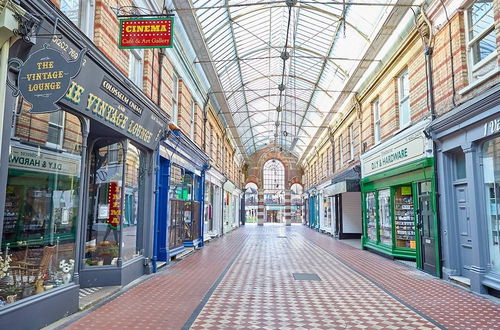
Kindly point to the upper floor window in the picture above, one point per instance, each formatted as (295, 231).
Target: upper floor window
(376, 121)
(481, 36)
(136, 66)
(341, 151)
(351, 142)
(80, 12)
(56, 128)
(193, 111)
(404, 99)
(175, 98)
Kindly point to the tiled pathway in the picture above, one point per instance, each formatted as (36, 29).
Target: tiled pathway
(244, 280)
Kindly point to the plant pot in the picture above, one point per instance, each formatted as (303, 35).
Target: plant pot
(10, 299)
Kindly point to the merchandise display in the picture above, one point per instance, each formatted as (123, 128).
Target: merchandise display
(404, 217)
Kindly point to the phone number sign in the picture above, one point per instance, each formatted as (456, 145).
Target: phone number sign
(146, 32)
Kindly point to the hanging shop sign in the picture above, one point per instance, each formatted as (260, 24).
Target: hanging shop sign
(146, 32)
(38, 160)
(407, 147)
(44, 77)
(92, 90)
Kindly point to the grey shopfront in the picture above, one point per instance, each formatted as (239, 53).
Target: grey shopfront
(468, 162)
(78, 191)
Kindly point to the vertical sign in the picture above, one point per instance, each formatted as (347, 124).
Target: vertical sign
(114, 198)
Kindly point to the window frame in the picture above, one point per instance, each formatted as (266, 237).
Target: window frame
(376, 121)
(475, 67)
(175, 97)
(86, 17)
(341, 151)
(351, 141)
(136, 66)
(60, 127)
(402, 99)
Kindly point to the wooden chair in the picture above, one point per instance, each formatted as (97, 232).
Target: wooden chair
(29, 272)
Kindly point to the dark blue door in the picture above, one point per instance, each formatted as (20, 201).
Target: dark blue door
(162, 200)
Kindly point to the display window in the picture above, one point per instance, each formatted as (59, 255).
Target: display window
(404, 217)
(384, 214)
(327, 212)
(371, 216)
(103, 234)
(41, 207)
(491, 171)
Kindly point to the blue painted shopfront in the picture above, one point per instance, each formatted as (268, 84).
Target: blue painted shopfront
(179, 196)
(313, 211)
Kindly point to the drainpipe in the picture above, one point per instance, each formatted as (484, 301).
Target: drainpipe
(161, 55)
(428, 51)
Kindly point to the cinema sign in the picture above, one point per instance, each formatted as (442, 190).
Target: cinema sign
(146, 32)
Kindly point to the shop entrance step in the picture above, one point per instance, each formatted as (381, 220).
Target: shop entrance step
(91, 296)
(461, 280)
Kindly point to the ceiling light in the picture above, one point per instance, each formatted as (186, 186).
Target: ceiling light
(278, 108)
(281, 87)
(285, 55)
(291, 3)
(277, 123)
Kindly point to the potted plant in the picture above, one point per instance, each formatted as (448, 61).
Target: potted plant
(107, 251)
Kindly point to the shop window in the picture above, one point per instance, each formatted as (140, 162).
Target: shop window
(384, 215)
(459, 165)
(481, 38)
(371, 216)
(404, 99)
(56, 129)
(81, 13)
(181, 206)
(376, 121)
(404, 217)
(491, 168)
(175, 98)
(103, 236)
(41, 209)
(132, 223)
(136, 66)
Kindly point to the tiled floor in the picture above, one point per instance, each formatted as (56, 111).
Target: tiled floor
(245, 281)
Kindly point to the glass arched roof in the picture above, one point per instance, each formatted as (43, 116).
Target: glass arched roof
(322, 42)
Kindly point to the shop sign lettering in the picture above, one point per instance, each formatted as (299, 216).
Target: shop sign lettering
(390, 158)
(104, 111)
(146, 32)
(43, 161)
(44, 78)
(492, 127)
(116, 93)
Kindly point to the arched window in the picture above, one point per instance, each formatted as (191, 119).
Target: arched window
(274, 175)
(251, 194)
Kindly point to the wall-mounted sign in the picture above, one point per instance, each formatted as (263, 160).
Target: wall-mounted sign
(122, 96)
(405, 147)
(44, 78)
(146, 32)
(32, 159)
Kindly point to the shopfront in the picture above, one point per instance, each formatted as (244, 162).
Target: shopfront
(313, 208)
(325, 209)
(344, 199)
(79, 178)
(398, 199)
(468, 158)
(230, 206)
(180, 201)
(213, 204)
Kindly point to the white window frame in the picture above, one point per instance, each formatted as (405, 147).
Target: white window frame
(475, 67)
(351, 142)
(193, 111)
(404, 98)
(61, 130)
(86, 17)
(136, 66)
(175, 98)
(376, 120)
(341, 151)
